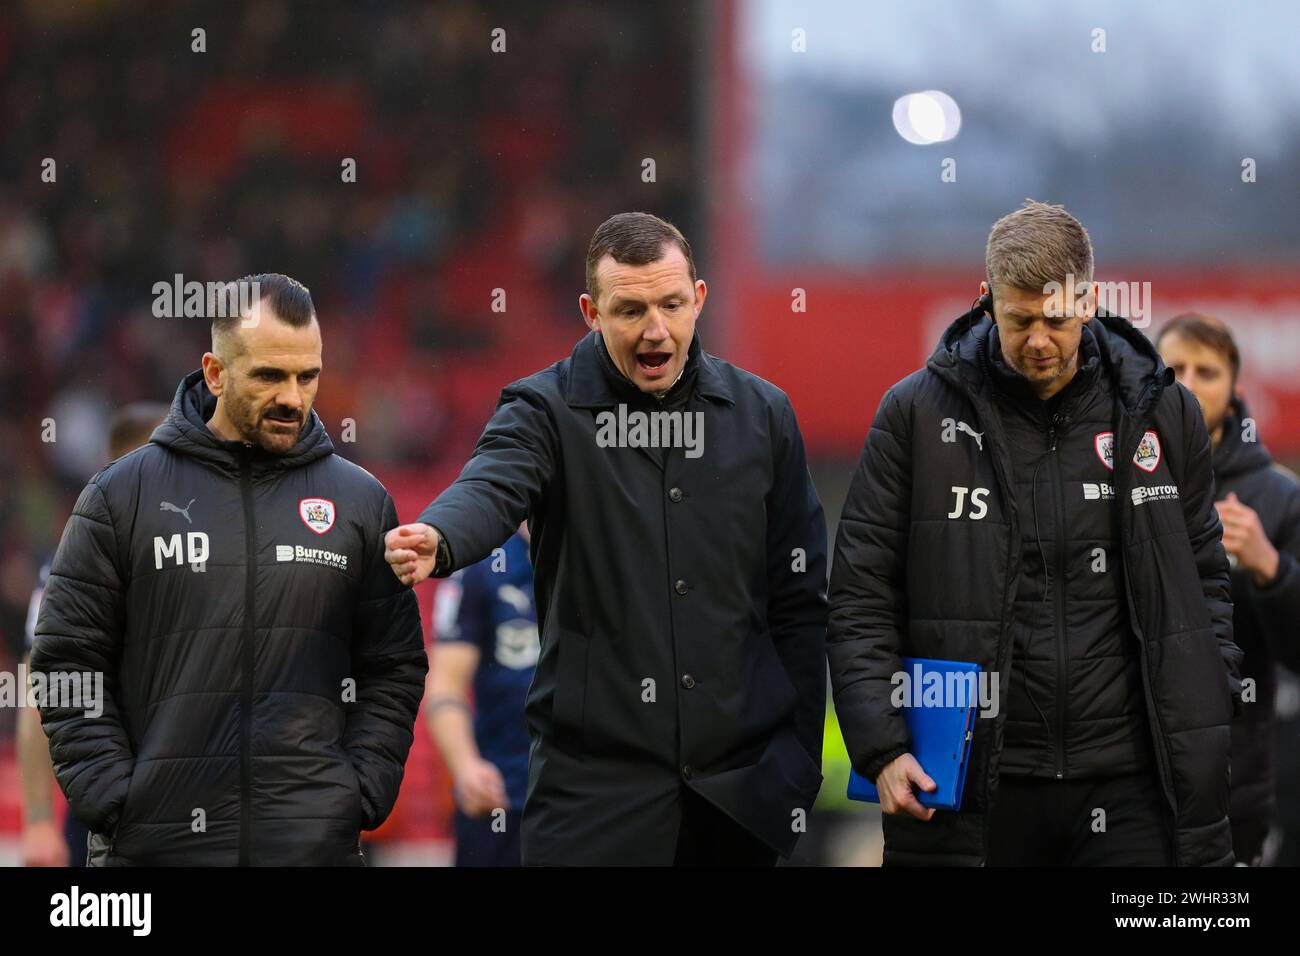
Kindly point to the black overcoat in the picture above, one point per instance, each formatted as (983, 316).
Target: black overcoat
(681, 599)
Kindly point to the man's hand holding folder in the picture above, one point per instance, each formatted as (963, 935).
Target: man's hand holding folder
(895, 787)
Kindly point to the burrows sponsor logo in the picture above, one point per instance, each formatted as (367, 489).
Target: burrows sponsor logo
(331, 559)
(1098, 491)
(1144, 493)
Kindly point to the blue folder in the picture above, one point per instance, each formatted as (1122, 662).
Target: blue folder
(941, 735)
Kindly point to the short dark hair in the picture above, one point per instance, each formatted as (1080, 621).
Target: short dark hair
(634, 238)
(131, 426)
(288, 298)
(1205, 330)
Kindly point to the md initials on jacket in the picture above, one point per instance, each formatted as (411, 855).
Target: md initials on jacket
(194, 552)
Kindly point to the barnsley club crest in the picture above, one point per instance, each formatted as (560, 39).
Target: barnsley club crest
(1147, 456)
(1148, 453)
(317, 513)
(1104, 442)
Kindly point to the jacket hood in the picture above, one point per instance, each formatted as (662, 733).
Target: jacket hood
(185, 431)
(1234, 456)
(1128, 356)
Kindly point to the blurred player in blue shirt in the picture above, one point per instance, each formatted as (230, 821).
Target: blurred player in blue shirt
(486, 623)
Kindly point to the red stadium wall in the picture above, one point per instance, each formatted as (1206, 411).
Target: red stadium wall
(864, 331)
(859, 335)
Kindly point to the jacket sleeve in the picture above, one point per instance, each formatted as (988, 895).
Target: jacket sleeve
(1206, 534)
(1277, 604)
(79, 630)
(389, 664)
(796, 604)
(501, 484)
(868, 600)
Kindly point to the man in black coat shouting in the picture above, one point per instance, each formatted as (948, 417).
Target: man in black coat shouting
(1038, 500)
(225, 586)
(680, 555)
(1259, 505)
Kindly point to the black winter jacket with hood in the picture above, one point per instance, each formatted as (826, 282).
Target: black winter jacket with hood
(1076, 702)
(262, 666)
(909, 579)
(1266, 620)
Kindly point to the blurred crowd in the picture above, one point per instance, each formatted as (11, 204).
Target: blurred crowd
(221, 153)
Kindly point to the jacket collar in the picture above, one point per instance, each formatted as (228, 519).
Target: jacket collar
(1233, 456)
(1127, 355)
(590, 385)
(1010, 382)
(185, 431)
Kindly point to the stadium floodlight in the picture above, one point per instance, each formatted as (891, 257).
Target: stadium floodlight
(930, 116)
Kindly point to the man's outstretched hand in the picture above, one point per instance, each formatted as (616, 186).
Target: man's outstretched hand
(411, 550)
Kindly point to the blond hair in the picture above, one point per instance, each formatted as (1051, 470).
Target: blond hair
(1037, 244)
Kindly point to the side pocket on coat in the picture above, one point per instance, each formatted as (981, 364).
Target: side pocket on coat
(569, 704)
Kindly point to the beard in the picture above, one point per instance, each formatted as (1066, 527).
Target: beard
(252, 423)
(1044, 376)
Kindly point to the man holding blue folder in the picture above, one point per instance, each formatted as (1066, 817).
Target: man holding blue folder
(1038, 502)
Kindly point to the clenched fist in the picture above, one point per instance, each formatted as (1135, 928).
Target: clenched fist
(1244, 539)
(411, 551)
(43, 845)
(479, 788)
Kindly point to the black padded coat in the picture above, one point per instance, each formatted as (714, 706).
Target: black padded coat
(262, 666)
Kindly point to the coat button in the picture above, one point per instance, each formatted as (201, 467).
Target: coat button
(680, 587)
(688, 681)
(687, 771)
(675, 494)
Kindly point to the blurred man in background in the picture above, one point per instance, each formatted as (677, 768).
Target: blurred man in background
(43, 842)
(487, 647)
(679, 702)
(982, 526)
(1259, 505)
(261, 670)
